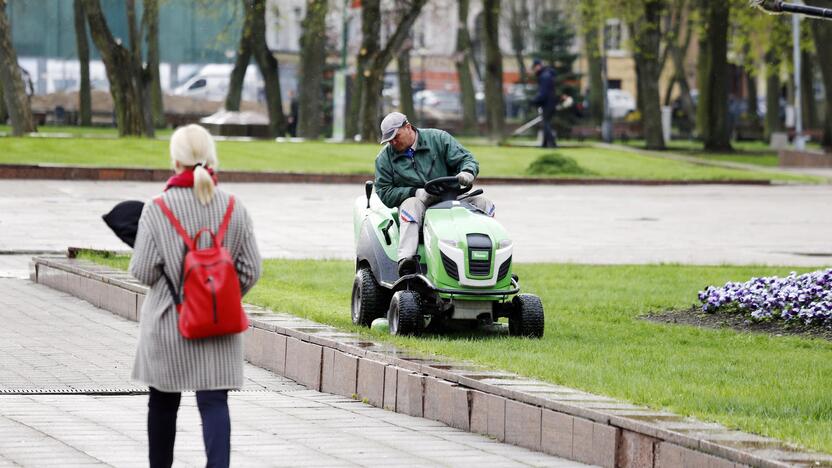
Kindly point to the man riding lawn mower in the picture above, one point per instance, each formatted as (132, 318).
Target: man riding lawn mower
(427, 249)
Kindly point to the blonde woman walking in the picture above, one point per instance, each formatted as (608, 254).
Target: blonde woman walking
(165, 361)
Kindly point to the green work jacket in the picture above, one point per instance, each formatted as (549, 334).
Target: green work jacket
(438, 154)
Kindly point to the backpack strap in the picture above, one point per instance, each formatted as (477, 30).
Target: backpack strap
(175, 222)
(225, 221)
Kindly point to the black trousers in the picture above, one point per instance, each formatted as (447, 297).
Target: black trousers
(549, 139)
(216, 426)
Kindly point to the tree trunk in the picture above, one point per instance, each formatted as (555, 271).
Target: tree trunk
(119, 66)
(647, 38)
(140, 81)
(268, 68)
(4, 114)
(494, 99)
(151, 22)
(822, 34)
(772, 122)
(751, 100)
(370, 37)
(405, 83)
(14, 92)
(371, 97)
(312, 62)
(238, 74)
(463, 70)
(677, 52)
(83, 47)
(519, 25)
(807, 79)
(712, 109)
(596, 82)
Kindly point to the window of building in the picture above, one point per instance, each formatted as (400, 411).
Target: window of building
(613, 35)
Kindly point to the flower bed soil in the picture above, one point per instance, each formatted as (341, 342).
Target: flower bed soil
(739, 322)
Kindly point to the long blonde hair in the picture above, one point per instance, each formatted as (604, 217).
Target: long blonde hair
(193, 146)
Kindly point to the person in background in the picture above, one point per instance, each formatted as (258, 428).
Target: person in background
(546, 100)
(165, 361)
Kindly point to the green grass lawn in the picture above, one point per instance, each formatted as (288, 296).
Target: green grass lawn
(91, 132)
(594, 341)
(352, 158)
(746, 152)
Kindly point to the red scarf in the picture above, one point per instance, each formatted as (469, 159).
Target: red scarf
(186, 179)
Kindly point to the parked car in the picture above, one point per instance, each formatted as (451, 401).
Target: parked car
(438, 104)
(212, 81)
(621, 103)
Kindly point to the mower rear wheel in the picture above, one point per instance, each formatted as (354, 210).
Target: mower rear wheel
(405, 313)
(369, 300)
(527, 317)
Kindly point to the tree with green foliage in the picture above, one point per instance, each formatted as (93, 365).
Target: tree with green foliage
(591, 23)
(463, 60)
(14, 91)
(153, 83)
(712, 107)
(758, 39)
(130, 80)
(253, 43)
(312, 62)
(554, 37)
(83, 48)
(495, 106)
(677, 42)
(822, 33)
(645, 19)
(405, 79)
(373, 60)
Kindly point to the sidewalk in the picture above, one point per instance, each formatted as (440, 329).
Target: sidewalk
(66, 400)
(741, 225)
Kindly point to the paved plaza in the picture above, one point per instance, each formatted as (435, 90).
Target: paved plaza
(65, 394)
(779, 225)
(66, 400)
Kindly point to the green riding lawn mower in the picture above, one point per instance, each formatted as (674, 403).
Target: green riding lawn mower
(465, 262)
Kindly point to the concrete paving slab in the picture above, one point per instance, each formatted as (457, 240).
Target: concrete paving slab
(52, 342)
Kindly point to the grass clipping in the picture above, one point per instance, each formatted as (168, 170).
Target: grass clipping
(553, 164)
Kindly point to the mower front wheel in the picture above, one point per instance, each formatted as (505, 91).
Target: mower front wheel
(527, 317)
(368, 298)
(405, 313)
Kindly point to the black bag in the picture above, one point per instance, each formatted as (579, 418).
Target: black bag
(123, 219)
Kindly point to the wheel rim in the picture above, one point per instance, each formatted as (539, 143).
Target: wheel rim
(356, 303)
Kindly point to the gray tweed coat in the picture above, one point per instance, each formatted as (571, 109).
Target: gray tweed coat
(165, 360)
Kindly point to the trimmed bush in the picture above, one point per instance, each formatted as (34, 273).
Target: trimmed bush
(555, 164)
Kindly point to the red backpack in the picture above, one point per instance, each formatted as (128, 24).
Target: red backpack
(211, 301)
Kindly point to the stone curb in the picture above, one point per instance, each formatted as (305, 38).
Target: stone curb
(60, 172)
(537, 415)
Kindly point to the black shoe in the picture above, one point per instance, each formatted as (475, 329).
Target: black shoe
(408, 266)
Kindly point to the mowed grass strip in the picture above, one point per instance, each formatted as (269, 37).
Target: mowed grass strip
(594, 341)
(746, 152)
(353, 158)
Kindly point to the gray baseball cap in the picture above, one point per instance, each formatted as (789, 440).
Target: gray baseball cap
(391, 125)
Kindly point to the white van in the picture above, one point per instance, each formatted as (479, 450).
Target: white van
(211, 82)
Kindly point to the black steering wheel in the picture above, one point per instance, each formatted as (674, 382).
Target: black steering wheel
(446, 188)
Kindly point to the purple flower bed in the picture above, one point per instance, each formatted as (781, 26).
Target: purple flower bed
(807, 298)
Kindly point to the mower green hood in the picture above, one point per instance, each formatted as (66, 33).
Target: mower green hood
(465, 248)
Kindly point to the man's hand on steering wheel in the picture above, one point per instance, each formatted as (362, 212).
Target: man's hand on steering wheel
(465, 178)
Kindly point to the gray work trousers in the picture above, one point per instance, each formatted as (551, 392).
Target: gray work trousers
(412, 214)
